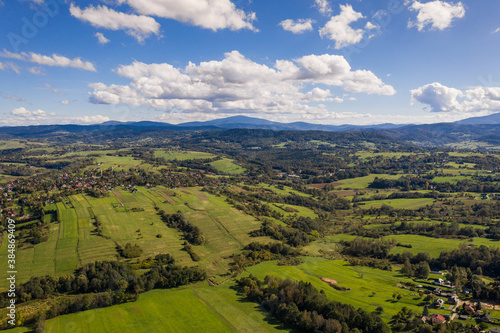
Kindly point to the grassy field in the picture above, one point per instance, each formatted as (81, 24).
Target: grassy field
(197, 308)
(285, 191)
(452, 179)
(170, 155)
(119, 163)
(462, 225)
(363, 182)
(369, 288)
(300, 211)
(73, 241)
(220, 309)
(227, 165)
(11, 144)
(419, 244)
(363, 154)
(398, 203)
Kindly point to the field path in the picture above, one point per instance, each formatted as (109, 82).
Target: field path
(223, 228)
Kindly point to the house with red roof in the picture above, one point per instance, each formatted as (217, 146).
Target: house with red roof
(437, 319)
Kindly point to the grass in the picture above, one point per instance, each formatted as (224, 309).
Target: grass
(382, 226)
(227, 165)
(398, 203)
(363, 154)
(301, 211)
(370, 287)
(119, 163)
(11, 144)
(452, 179)
(197, 308)
(419, 244)
(73, 242)
(285, 191)
(170, 155)
(363, 182)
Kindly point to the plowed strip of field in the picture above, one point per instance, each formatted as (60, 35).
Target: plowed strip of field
(322, 185)
(165, 195)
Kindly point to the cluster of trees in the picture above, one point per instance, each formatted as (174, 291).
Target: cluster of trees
(300, 305)
(438, 230)
(485, 260)
(255, 253)
(420, 270)
(408, 183)
(39, 234)
(189, 249)
(103, 276)
(292, 236)
(374, 263)
(16, 170)
(371, 248)
(130, 251)
(178, 221)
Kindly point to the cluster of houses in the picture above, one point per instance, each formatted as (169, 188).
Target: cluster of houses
(462, 310)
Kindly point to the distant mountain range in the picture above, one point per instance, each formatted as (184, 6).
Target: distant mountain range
(257, 123)
(252, 123)
(479, 129)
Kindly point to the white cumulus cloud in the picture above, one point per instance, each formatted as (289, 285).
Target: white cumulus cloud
(97, 119)
(297, 27)
(208, 14)
(323, 6)
(440, 98)
(339, 29)
(54, 60)
(30, 115)
(436, 14)
(138, 26)
(237, 84)
(101, 38)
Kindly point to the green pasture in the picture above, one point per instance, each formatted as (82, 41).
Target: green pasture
(369, 287)
(11, 144)
(397, 203)
(73, 240)
(301, 211)
(196, 308)
(419, 244)
(376, 226)
(285, 191)
(227, 165)
(119, 163)
(363, 182)
(170, 155)
(452, 179)
(364, 154)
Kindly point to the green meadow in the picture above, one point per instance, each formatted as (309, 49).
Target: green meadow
(376, 226)
(170, 155)
(397, 203)
(368, 287)
(73, 241)
(227, 165)
(119, 163)
(363, 182)
(202, 309)
(220, 309)
(434, 246)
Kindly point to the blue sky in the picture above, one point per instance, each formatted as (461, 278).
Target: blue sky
(320, 61)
